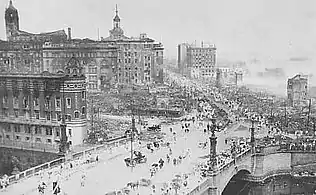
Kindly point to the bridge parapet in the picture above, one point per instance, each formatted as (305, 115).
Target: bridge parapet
(49, 165)
(259, 164)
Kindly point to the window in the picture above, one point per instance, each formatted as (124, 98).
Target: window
(58, 116)
(68, 103)
(38, 130)
(48, 114)
(58, 102)
(25, 102)
(7, 136)
(49, 131)
(76, 114)
(35, 101)
(47, 103)
(57, 132)
(36, 114)
(5, 100)
(68, 117)
(83, 110)
(16, 113)
(49, 141)
(16, 101)
(27, 138)
(17, 128)
(69, 132)
(27, 129)
(83, 94)
(38, 139)
(17, 137)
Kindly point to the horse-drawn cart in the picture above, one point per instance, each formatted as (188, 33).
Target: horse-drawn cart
(136, 160)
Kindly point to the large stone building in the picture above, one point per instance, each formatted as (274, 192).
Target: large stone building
(22, 52)
(197, 62)
(40, 111)
(297, 90)
(98, 59)
(139, 58)
(116, 59)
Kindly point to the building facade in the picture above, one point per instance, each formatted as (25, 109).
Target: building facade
(117, 59)
(139, 59)
(36, 107)
(197, 62)
(297, 89)
(98, 59)
(183, 62)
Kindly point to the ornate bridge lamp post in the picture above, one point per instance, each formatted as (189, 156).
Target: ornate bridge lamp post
(213, 143)
(252, 135)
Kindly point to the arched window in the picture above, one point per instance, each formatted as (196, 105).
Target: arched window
(83, 110)
(76, 114)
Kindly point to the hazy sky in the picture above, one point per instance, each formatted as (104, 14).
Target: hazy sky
(241, 29)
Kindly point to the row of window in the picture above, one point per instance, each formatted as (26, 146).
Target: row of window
(18, 138)
(48, 115)
(92, 86)
(25, 101)
(77, 55)
(128, 74)
(27, 129)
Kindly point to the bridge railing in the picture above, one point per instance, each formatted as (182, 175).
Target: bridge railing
(200, 188)
(57, 162)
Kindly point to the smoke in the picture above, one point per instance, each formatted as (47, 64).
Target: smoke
(277, 85)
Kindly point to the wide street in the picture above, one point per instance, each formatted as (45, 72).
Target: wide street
(111, 173)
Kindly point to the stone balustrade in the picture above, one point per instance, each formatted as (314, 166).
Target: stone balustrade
(49, 165)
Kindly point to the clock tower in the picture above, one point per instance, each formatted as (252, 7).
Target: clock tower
(11, 21)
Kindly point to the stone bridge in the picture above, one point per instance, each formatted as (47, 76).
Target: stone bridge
(256, 165)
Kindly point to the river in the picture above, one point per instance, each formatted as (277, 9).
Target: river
(284, 185)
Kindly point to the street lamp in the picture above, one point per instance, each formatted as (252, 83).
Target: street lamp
(213, 143)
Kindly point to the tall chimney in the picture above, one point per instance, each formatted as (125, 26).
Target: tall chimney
(69, 33)
(202, 44)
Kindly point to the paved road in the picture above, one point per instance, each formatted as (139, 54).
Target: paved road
(112, 174)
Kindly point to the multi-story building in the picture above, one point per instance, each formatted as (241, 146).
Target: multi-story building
(22, 52)
(183, 62)
(98, 59)
(139, 59)
(196, 61)
(297, 89)
(40, 111)
(116, 59)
